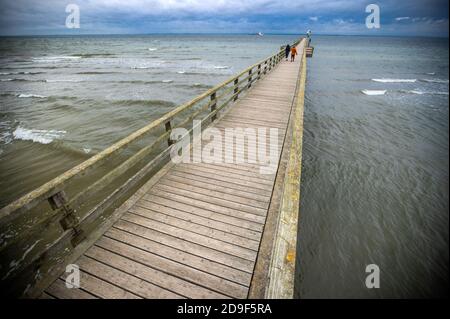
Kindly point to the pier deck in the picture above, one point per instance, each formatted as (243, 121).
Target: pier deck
(195, 230)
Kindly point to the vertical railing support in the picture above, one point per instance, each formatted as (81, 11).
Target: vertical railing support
(265, 67)
(259, 71)
(168, 126)
(236, 89)
(250, 78)
(213, 105)
(69, 219)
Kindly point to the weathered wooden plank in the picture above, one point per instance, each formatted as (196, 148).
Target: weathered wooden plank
(101, 288)
(200, 220)
(194, 261)
(255, 180)
(192, 237)
(196, 228)
(59, 290)
(242, 207)
(237, 169)
(188, 180)
(168, 201)
(121, 258)
(232, 186)
(257, 187)
(186, 246)
(121, 279)
(211, 207)
(187, 273)
(187, 185)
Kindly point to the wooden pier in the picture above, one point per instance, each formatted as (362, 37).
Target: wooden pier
(187, 230)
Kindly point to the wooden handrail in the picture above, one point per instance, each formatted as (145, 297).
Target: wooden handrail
(30, 200)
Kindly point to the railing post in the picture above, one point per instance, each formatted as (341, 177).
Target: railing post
(168, 126)
(236, 89)
(259, 71)
(250, 78)
(69, 220)
(213, 105)
(265, 67)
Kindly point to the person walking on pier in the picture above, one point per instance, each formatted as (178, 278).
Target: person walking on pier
(287, 50)
(293, 54)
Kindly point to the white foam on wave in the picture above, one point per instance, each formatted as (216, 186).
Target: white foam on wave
(46, 59)
(55, 81)
(374, 92)
(38, 136)
(6, 80)
(419, 92)
(434, 80)
(23, 95)
(181, 72)
(152, 49)
(167, 81)
(431, 73)
(221, 67)
(395, 80)
(17, 73)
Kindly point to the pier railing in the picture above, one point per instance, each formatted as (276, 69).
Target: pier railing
(27, 248)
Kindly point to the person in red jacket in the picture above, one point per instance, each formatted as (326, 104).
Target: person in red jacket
(293, 54)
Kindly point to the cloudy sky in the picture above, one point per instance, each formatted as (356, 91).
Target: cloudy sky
(398, 17)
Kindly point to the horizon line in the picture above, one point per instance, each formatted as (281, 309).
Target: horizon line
(219, 33)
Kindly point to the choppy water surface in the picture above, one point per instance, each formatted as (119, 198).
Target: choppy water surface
(375, 168)
(63, 99)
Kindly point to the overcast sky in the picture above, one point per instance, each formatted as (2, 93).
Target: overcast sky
(400, 17)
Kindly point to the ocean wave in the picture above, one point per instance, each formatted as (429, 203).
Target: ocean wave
(92, 55)
(152, 49)
(434, 80)
(38, 136)
(374, 92)
(189, 59)
(431, 73)
(395, 80)
(156, 103)
(96, 72)
(62, 80)
(167, 81)
(221, 67)
(419, 92)
(46, 59)
(194, 86)
(20, 73)
(23, 95)
(181, 72)
(18, 80)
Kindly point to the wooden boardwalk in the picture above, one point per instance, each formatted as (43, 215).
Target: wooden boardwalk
(195, 231)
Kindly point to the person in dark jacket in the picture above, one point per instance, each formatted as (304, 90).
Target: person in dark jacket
(287, 50)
